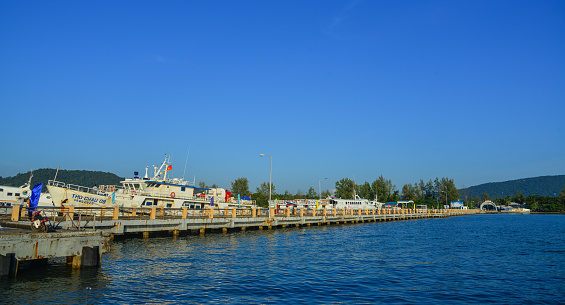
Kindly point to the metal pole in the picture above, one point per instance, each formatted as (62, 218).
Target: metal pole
(320, 188)
(270, 181)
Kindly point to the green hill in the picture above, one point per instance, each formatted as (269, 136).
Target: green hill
(549, 186)
(78, 177)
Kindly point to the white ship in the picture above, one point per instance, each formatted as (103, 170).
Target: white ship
(157, 191)
(354, 204)
(12, 195)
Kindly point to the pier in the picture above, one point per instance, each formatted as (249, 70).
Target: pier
(83, 234)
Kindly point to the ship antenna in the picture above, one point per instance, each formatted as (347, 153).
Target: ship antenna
(185, 163)
(55, 179)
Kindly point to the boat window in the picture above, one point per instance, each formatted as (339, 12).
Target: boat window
(9, 194)
(17, 194)
(1, 190)
(182, 189)
(169, 205)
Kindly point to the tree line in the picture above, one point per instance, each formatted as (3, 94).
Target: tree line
(536, 203)
(261, 195)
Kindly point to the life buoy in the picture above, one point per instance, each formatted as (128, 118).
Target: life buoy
(133, 193)
(173, 194)
(110, 188)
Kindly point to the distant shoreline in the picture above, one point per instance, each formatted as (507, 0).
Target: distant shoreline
(560, 213)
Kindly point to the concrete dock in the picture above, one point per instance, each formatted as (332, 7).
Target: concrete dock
(84, 234)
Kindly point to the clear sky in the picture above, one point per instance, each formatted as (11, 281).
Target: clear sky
(470, 90)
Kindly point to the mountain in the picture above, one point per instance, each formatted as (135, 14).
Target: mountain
(78, 177)
(549, 186)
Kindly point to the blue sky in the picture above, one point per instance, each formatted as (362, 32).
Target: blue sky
(470, 90)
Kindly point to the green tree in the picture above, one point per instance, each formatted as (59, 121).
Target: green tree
(311, 193)
(409, 192)
(364, 191)
(519, 198)
(484, 197)
(344, 188)
(240, 186)
(384, 189)
(202, 184)
(264, 189)
(326, 194)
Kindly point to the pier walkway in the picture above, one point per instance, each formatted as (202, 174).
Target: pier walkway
(83, 234)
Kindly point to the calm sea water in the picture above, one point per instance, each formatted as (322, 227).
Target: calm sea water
(469, 259)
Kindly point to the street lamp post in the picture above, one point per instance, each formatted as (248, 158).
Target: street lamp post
(270, 179)
(445, 197)
(320, 187)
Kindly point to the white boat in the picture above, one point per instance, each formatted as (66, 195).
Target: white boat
(354, 204)
(12, 195)
(158, 191)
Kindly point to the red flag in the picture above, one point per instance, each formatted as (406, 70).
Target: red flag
(170, 167)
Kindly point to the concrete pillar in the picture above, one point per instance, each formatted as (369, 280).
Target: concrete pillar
(8, 265)
(243, 229)
(71, 213)
(176, 233)
(253, 213)
(287, 213)
(102, 211)
(261, 228)
(297, 225)
(16, 212)
(116, 213)
(224, 230)
(23, 211)
(325, 212)
(314, 212)
(334, 212)
(91, 257)
(74, 261)
(273, 212)
(184, 212)
(162, 212)
(146, 234)
(153, 213)
(233, 213)
(359, 212)
(283, 226)
(134, 211)
(202, 231)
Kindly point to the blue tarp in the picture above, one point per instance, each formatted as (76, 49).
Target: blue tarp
(35, 194)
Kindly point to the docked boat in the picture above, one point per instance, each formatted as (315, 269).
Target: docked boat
(354, 204)
(157, 191)
(12, 195)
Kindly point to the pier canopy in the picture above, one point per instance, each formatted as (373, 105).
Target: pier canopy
(488, 206)
(405, 204)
